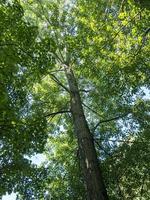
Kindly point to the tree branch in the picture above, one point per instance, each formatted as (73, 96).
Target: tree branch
(109, 120)
(10, 125)
(100, 147)
(91, 109)
(121, 28)
(19, 48)
(54, 31)
(56, 113)
(104, 121)
(83, 90)
(54, 78)
(143, 41)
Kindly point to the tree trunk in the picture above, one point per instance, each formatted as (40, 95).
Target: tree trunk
(88, 158)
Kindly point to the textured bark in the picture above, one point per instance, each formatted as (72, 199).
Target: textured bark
(88, 158)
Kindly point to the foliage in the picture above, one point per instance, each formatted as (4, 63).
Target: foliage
(107, 45)
(19, 135)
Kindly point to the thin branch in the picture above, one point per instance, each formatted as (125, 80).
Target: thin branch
(57, 70)
(109, 120)
(104, 121)
(121, 6)
(56, 113)
(55, 33)
(91, 109)
(54, 78)
(143, 41)
(18, 46)
(100, 147)
(124, 141)
(128, 141)
(117, 33)
(57, 57)
(86, 91)
(54, 54)
(10, 125)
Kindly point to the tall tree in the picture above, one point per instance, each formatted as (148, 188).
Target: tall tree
(88, 61)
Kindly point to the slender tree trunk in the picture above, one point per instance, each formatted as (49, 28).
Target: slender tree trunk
(88, 158)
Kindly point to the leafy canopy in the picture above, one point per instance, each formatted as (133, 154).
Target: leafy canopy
(107, 45)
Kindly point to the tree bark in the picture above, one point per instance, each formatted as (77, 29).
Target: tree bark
(94, 183)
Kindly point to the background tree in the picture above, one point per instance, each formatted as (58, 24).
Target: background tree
(18, 134)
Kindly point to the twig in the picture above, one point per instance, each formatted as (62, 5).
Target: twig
(109, 120)
(54, 78)
(56, 113)
(91, 109)
(101, 147)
